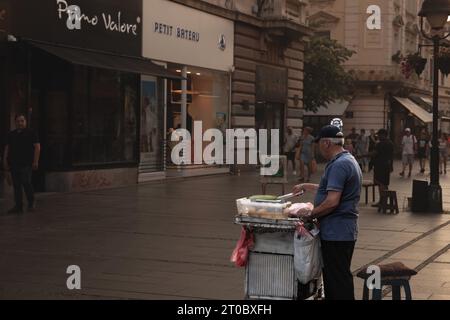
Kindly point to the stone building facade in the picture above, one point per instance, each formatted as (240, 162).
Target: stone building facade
(267, 80)
(376, 68)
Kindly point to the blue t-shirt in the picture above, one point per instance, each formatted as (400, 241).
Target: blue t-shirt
(342, 174)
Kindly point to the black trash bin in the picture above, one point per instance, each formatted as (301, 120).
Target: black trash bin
(419, 196)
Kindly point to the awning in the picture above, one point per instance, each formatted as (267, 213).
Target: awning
(415, 109)
(106, 60)
(424, 102)
(337, 108)
(427, 101)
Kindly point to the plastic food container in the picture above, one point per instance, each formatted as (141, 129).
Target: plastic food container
(247, 207)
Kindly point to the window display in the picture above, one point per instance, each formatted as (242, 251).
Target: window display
(104, 111)
(152, 127)
(208, 99)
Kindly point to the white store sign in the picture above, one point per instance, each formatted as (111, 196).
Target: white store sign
(179, 34)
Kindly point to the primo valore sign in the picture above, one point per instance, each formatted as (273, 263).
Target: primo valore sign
(104, 25)
(75, 18)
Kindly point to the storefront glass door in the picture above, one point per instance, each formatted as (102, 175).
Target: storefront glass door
(207, 98)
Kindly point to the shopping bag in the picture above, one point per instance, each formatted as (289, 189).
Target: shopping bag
(240, 254)
(307, 255)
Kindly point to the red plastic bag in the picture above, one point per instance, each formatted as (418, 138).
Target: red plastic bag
(240, 253)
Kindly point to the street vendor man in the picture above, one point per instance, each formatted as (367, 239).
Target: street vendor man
(335, 209)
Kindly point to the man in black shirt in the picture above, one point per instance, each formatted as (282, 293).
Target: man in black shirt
(22, 153)
(383, 160)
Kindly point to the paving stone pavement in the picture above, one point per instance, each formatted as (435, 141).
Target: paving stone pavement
(173, 240)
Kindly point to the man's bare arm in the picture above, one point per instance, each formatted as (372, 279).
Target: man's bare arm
(308, 187)
(327, 206)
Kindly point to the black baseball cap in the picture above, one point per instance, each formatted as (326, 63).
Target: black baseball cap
(329, 132)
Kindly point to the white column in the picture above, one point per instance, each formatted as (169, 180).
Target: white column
(165, 127)
(184, 98)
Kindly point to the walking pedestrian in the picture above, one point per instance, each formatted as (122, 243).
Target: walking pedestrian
(348, 146)
(290, 145)
(335, 208)
(409, 147)
(21, 157)
(373, 140)
(423, 144)
(443, 152)
(362, 148)
(353, 136)
(306, 154)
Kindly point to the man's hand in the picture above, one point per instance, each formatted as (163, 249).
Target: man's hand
(308, 217)
(35, 166)
(305, 187)
(305, 213)
(298, 189)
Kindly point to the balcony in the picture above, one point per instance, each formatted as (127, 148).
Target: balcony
(291, 10)
(283, 20)
(388, 74)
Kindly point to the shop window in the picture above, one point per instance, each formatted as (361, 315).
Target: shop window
(84, 116)
(18, 82)
(50, 98)
(208, 100)
(175, 90)
(152, 126)
(104, 117)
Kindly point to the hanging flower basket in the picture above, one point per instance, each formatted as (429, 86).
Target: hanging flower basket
(413, 62)
(417, 62)
(444, 65)
(420, 66)
(444, 60)
(406, 68)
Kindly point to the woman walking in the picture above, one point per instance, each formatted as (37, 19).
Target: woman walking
(423, 149)
(443, 152)
(306, 154)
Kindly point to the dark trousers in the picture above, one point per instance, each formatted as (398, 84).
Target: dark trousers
(337, 276)
(21, 177)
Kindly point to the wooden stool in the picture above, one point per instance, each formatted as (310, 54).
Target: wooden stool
(279, 178)
(388, 201)
(367, 184)
(396, 275)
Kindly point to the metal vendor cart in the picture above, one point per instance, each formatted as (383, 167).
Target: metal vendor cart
(270, 272)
